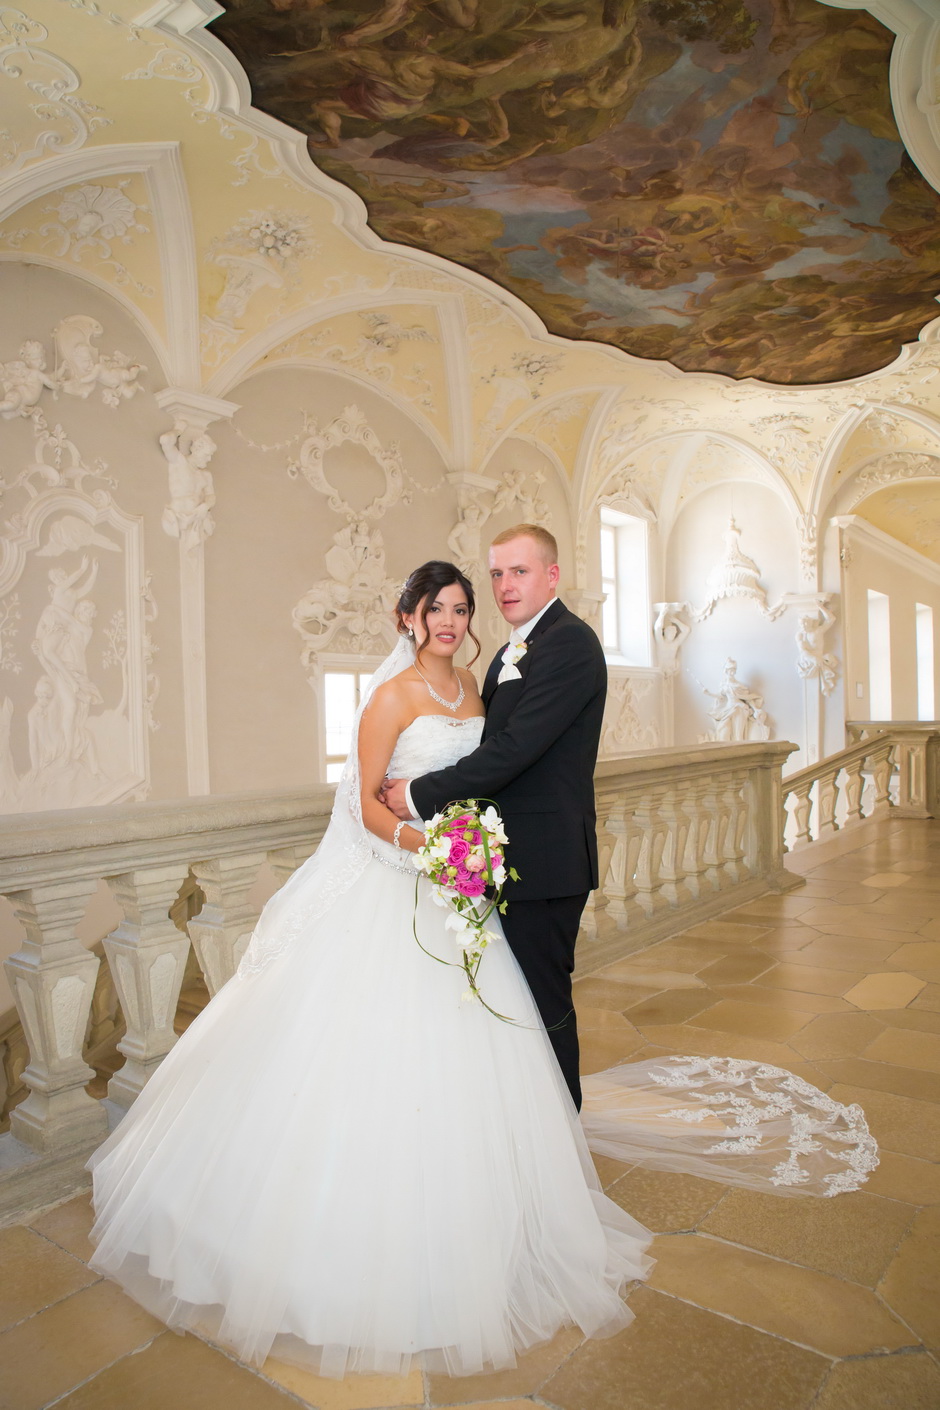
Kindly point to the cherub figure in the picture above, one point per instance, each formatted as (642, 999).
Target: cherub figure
(23, 381)
(192, 492)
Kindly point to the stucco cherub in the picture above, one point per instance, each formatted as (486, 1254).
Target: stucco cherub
(23, 381)
(192, 492)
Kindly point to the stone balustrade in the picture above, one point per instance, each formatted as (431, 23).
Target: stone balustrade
(683, 833)
(889, 767)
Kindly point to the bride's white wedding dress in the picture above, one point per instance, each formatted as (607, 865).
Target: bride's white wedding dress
(344, 1165)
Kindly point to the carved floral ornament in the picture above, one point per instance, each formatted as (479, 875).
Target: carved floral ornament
(350, 427)
(892, 469)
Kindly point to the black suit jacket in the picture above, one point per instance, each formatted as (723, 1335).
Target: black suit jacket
(536, 759)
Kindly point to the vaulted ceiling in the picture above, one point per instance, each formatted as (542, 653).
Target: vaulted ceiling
(718, 183)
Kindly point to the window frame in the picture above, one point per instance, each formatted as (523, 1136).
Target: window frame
(628, 527)
(337, 664)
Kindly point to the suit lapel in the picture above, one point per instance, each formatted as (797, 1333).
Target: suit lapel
(550, 615)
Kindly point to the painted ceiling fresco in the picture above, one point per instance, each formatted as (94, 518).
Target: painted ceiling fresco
(719, 183)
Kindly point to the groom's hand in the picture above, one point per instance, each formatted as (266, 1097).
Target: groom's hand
(394, 799)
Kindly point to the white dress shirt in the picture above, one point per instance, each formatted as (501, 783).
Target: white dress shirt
(516, 637)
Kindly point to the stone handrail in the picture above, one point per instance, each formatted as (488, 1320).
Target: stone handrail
(888, 767)
(683, 833)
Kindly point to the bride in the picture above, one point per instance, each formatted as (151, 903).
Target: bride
(343, 1165)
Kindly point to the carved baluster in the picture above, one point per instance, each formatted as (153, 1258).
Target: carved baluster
(53, 981)
(598, 901)
(147, 955)
(672, 862)
(802, 812)
(285, 861)
(694, 862)
(652, 832)
(222, 929)
(734, 864)
(852, 790)
(881, 765)
(620, 886)
(717, 819)
(826, 796)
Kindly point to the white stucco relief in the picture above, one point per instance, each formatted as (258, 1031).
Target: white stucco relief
(813, 660)
(738, 711)
(53, 118)
(670, 630)
(623, 727)
(91, 220)
(71, 734)
(350, 610)
(263, 250)
(188, 516)
(735, 575)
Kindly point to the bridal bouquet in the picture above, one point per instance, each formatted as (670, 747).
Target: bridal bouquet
(463, 857)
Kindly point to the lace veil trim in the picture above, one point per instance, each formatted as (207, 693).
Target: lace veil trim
(341, 857)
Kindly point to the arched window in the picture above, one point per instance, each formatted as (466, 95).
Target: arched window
(625, 618)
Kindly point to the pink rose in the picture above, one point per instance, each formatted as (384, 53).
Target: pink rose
(470, 885)
(497, 859)
(459, 851)
(475, 863)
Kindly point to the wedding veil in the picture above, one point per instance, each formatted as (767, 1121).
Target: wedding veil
(341, 857)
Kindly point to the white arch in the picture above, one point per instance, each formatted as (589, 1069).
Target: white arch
(160, 165)
(84, 275)
(386, 393)
(824, 491)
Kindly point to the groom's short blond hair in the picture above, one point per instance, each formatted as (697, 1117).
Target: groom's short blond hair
(546, 542)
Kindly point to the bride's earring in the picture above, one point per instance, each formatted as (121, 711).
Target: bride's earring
(411, 632)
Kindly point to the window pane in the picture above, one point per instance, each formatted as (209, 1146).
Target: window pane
(608, 552)
(363, 684)
(339, 705)
(879, 655)
(925, 695)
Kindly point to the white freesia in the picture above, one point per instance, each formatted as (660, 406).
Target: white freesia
(493, 824)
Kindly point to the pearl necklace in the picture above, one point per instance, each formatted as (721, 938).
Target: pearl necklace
(448, 704)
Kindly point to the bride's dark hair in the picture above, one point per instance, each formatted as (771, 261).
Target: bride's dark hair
(423, 585)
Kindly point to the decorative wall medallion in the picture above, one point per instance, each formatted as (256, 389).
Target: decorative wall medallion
(351, 427)
(262, 250)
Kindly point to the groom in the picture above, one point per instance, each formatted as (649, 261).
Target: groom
(544, 695)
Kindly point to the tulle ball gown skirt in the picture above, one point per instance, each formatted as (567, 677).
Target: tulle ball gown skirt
(344, 1164)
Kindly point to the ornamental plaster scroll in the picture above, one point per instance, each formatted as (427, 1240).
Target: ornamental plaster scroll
(623, 729)
(91, 219)
(352, 428)
(53, 118)
(794, 449)
(521, 381)
(738, 711)
(735, 575)
(807, 529)
(265, 249)
(351, 609)
(892, 469)
(670, 631)
(72, 733)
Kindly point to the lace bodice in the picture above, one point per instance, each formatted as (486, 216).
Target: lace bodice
(433, 742)
(429, 742)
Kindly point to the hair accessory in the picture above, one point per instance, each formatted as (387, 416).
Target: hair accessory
(397, 835)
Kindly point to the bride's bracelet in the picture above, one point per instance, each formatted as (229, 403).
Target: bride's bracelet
(397, 835)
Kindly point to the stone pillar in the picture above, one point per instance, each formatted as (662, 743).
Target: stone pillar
(222, 929)
(188, 449)
(53, 981)
(147, 956)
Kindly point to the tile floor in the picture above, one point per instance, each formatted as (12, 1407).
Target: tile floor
(755, 1303)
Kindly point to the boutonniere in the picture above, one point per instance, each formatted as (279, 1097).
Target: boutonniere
(516, 653)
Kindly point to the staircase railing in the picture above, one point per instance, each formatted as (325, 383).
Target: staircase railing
(683, 834)
(887, 769)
